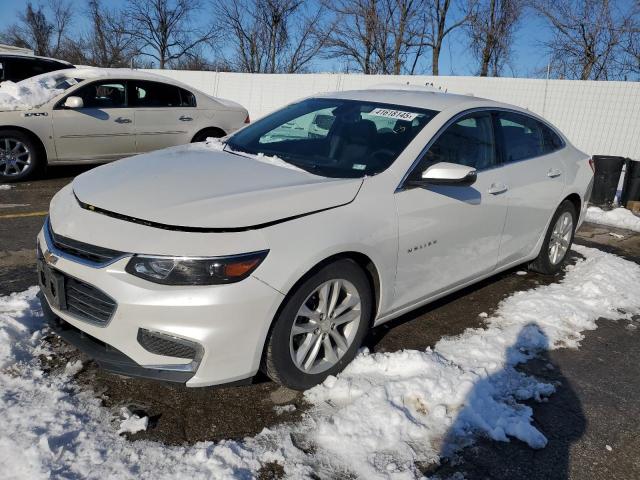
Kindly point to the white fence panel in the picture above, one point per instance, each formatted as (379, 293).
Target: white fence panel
(598, 117)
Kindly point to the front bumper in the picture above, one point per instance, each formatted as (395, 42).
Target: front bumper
(229, 323)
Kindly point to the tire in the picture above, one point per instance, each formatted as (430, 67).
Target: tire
(202, 135)
(283, 345)
(557, 241)
(20, 156)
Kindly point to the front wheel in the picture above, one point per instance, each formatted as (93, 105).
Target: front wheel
(320, 327)
(19, 156)
(557, 241)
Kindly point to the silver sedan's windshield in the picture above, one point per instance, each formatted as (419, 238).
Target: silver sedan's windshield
(334, 137)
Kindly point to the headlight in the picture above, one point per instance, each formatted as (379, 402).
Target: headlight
(195, 270)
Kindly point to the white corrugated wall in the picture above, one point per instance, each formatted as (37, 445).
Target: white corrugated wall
(600, 118)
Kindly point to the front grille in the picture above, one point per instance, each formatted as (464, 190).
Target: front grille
(92, 253)
(167, 345)
(87, 302)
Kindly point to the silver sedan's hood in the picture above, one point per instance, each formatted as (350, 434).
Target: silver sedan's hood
(195, 186)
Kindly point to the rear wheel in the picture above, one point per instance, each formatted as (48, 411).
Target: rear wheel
(321, 326)
(20, 157)
(557, 241)
(202, 135)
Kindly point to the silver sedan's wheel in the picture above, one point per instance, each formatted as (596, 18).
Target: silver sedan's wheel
(560, 238)
(325, 326)
(15, 157)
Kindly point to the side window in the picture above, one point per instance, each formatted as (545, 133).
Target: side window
(187, 99)
(468, 142)
(550, 140)
(106, 94)
(155, 94)
(524, 137)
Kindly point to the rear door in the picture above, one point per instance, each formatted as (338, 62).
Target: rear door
(165, 115)
(535, 175)
(101, 130)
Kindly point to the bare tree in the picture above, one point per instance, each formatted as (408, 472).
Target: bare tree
(272, 36)
(378, 36)
(43, 29)
(165, 29)
(108, 44)
(439, 25)
(354, 33)
(587, 37)
(491, 28)
(632, 44)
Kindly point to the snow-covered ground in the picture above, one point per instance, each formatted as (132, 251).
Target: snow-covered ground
(385, 412)
(618, 217)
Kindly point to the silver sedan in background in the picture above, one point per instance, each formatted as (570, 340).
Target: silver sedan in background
(91, 115)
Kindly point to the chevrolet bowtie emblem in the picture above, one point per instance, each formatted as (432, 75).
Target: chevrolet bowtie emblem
(50, 258)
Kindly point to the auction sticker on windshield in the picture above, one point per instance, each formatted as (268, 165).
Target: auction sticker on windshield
(397, 114)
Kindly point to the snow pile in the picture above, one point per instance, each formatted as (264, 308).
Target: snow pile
(618, 217)
(406, 406)
(27, 93)
(379, 417)
(132, 423)
(35, 91)
(6, 186)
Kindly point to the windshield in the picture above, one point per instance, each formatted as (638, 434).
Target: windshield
(334, 138)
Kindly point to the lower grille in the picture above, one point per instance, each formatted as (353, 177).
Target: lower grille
(167, 345)
(88, 303)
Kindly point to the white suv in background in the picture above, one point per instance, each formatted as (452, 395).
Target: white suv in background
(202, 264)
(89, 115)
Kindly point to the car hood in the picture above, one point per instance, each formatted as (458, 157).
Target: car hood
(197, 187)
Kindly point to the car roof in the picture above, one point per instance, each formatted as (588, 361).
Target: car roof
(97, 73)
(34, 57)
(421, 97)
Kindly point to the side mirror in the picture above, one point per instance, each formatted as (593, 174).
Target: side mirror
(445, 173)
(73, 102)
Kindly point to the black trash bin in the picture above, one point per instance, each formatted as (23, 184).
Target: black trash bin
(607, 176)
(631, 186)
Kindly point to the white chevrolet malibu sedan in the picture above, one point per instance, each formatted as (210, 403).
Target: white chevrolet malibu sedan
(95, 115)
(279, 248)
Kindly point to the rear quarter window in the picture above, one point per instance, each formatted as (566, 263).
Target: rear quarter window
(524, 137)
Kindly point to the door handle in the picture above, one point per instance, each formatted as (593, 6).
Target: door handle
(122, 120)
(497, 188)
(554, 172)
(184, 118)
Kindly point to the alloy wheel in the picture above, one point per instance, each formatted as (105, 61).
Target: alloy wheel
(560, 238)
(15, 157)
(325, 326)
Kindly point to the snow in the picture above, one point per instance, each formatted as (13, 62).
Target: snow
(132, 423)
(35, 91)
(6, 186)
(280, 409)
(618, 217)
(220, 145)
(27, 94)
(375, 420)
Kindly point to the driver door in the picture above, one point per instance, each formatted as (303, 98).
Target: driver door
(101, 130)
(449, 234)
